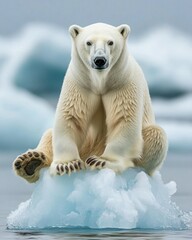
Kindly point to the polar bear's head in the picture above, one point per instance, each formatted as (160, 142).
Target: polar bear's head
(99, 46)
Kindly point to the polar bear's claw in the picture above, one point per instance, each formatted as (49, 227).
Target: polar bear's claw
(29, 164)
(95, 163)
(67, 167)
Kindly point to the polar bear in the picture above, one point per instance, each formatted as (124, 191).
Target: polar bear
(104, 117)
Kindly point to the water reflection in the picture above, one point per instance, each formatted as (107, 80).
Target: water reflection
(101, 234)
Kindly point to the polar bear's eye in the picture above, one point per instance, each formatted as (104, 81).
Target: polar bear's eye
(110, 43)
(89, 43)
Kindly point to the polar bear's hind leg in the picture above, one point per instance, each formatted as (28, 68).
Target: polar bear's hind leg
(155, 149)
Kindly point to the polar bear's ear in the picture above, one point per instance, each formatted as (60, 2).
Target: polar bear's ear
(124, 30)
(75, 30)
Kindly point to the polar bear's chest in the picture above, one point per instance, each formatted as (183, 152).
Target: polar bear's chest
(98, 84)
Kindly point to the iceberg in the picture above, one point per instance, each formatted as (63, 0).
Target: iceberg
(36, 59)
(179, 135)
(101, 199)
(175, 116)
(174, 109)
(23, 119)
(165, 56)
(23, 116)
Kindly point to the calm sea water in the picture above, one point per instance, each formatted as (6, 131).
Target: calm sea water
(178, 167)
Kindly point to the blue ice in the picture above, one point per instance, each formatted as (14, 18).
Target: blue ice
(23, 118)
(101, 199)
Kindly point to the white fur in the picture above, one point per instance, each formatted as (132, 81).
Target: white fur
(119, 94)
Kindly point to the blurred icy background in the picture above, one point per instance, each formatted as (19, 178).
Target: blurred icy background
(33, 64)
(35, 52)
(34, 58)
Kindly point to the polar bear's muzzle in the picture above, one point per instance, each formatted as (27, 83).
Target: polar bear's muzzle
(100, 60)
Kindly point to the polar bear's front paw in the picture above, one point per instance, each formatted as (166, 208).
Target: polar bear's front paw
(95, 162)
(66, 168)
(29, 164)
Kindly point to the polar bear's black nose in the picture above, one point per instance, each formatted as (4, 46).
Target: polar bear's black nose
(100, 61)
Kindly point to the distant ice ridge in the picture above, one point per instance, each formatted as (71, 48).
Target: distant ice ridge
(179, 108)
(101, 199)
(23, 119)
(179, 135)
(165, 55)
(175, 116)
(36, 59)
(33, 59)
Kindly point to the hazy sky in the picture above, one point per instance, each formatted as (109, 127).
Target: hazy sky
(140, 14)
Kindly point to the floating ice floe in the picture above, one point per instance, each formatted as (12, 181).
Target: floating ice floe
(23, 119)
(179, 135)
(175, 116)
(23, 116)
(179, 108)
(101, 199)
(36, 59)
(165, 55)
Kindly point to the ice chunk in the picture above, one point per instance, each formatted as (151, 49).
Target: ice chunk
(175, 117)
(100, 199)
(179, 135)
(174, 109)
(165, 56)
(23, 119)
(37, 58)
